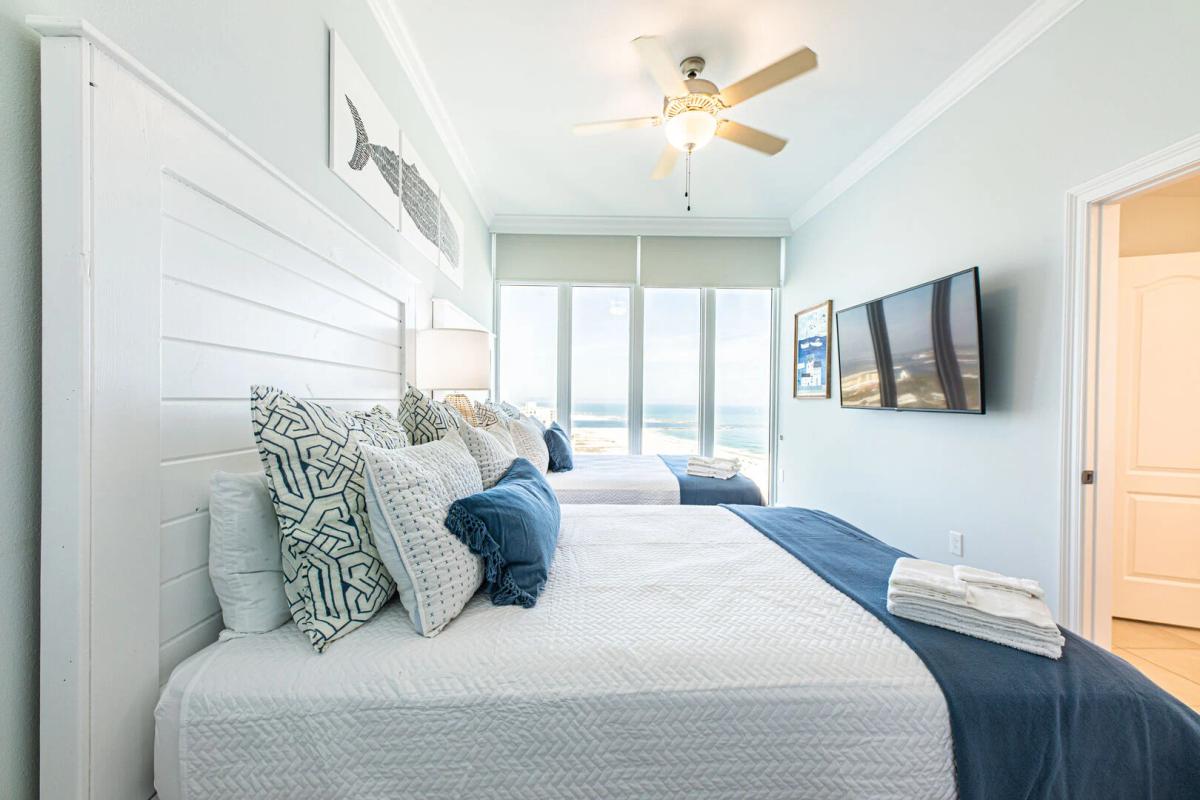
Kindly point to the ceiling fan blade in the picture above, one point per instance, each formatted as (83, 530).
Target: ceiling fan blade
(785, 69)
(750, 137)
(666, 164)
(589, 128)
(662, 67)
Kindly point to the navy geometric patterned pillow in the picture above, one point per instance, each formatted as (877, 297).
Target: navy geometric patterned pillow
(425, 419)
(484, 415)
(333, 577)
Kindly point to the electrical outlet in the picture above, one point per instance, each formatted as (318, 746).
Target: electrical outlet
(956, 544)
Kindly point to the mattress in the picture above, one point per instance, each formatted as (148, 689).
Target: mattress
(675, 652)
(616, 479)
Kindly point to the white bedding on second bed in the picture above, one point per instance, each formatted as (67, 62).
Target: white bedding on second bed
(676, 652)
(616, 479)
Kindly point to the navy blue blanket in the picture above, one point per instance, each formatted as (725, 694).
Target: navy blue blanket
(1086, 726)
(696, 490)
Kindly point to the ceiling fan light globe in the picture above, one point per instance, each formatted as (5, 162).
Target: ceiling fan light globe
(690, 130)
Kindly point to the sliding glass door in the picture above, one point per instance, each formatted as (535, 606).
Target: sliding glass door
(671, 370)
(600, 369)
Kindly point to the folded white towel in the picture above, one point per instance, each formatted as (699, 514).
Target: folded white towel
(974, 616)
(701, 472)
(995, 580)
(927, 577)
(715, 462)
(998, 635)
(929, 592)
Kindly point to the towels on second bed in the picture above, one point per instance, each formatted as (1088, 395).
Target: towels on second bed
(975, 602)
(723, 468)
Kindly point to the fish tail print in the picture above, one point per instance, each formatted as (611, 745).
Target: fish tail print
(362, 150)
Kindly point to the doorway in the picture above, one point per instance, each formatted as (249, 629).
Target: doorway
(1131, 438)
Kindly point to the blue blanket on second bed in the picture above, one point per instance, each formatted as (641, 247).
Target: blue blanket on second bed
(1086, 726)
(697, 490)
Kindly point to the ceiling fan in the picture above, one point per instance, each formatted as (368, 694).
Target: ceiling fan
(692, 106)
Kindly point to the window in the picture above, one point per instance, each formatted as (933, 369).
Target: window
(702, 367)
(743, 380)
(671, 371)
(528, 349)
(600, 369)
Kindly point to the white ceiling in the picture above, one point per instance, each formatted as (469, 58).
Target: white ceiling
(514, 76)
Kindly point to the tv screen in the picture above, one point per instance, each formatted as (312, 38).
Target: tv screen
(916, 350)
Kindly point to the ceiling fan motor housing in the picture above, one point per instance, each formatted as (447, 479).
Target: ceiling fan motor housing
(691, 67)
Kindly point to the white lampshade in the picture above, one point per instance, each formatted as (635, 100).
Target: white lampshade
(454, 358)
(691, 130)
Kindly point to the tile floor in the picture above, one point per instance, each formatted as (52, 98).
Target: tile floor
(1167, 655)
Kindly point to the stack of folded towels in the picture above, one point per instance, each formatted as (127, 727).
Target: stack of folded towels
(975, 602)
(724, 468)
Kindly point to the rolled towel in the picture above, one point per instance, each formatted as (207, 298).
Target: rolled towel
(995, 580)
(927, 578)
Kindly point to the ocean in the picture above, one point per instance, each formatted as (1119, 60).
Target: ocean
(738, 427)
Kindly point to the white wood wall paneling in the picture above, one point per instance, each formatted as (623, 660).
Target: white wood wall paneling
(203, 271)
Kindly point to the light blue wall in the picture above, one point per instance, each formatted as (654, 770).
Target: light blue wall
(259, 67)
(984, 185)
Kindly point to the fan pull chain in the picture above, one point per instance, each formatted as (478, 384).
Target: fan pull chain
(687, 185)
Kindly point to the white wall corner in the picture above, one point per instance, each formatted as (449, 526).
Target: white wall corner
(1015, 37)
(391, 22)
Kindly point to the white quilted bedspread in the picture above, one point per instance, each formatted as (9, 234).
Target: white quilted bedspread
(676, 652)
(616, 479)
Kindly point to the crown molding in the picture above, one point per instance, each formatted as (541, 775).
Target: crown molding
(1015, 37)
(396, 32)
(640, 226)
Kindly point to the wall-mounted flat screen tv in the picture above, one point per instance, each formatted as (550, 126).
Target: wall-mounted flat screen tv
(916, 350)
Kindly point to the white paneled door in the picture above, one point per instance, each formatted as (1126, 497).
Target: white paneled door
(1156, 521)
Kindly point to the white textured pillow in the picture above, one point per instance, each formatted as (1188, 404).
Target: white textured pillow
(489, 453)
(500, 431)
(243, 553)
(409, 492)
(530, 443)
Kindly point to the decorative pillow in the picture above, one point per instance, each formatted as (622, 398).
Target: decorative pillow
(540, 426)
(500, 431)
(484, 415)
(409, 493)
(333, 577)
(510, 411)
(425, 419)
(514, 527)
(562, 458)
(493, 458)
(243, 553)
(529, 443)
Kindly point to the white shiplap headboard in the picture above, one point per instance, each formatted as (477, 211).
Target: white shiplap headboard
(179, 268)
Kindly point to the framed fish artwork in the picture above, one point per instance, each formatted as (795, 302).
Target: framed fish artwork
(364, 138)
(810, 357)
(450, 239)
(420, 203)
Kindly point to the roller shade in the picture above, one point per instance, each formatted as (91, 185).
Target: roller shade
(578, 259)
(726, 262)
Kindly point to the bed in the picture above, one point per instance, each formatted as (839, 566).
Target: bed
(699, 652)
(647, 480)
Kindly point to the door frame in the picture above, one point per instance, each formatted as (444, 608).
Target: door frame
(1086, 521)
